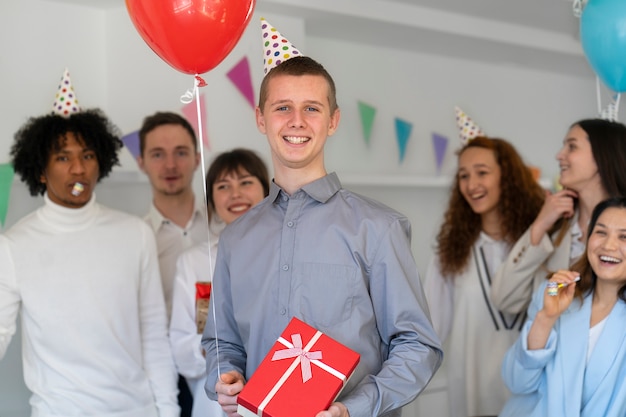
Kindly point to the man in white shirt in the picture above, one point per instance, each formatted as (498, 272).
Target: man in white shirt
(169, 157)
(85, 281)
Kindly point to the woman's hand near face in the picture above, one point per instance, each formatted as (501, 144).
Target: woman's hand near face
(557, 205)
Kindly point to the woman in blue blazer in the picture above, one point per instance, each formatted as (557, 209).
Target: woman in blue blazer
(570, 358)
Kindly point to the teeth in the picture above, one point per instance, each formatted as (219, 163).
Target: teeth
(609, 259)
(237, 209)
(296, 139)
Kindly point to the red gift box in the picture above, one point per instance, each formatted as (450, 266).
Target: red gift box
(301, 375)
(203, 294)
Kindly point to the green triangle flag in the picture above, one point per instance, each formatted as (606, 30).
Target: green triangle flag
(6, 180)
(367, 119)
(403, 133)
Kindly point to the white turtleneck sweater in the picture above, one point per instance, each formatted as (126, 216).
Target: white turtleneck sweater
(86, 282)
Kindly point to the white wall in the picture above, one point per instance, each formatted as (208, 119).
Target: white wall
(112, 68)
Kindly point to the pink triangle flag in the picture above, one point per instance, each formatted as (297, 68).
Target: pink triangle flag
(240, 76)
(191, 114)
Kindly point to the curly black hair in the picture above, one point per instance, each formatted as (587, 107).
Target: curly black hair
(40, 136)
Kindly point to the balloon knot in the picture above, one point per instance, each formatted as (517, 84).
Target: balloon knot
(201, 82)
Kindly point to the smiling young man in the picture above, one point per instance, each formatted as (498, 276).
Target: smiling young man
(85, 281)
(313, 250)
(169, 157)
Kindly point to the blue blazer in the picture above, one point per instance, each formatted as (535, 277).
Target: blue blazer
(554, 381)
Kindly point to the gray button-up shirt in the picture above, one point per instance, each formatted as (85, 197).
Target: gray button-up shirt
(341, 263)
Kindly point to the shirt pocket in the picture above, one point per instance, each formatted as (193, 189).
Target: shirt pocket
(323, 293)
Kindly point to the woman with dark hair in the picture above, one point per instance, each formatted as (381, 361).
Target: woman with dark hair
(592, 165)
(570, 358)
(235, 182)
(493, 200)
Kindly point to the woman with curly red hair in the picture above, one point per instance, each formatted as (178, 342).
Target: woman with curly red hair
(493, 200)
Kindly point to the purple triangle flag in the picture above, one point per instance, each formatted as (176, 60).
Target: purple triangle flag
(131, 141)
(440, 144)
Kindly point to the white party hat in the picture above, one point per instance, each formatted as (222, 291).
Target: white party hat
(276, 48)
(65, 102)
(468, 130)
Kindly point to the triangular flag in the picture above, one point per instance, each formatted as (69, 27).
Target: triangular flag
(190, 112)
(403, 132)
(240, 76)
(440, 143)
(6, 180)
(367, 120)
(131, 142)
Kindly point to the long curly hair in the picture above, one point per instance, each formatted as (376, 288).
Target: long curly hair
(40, 136)
(521, 198)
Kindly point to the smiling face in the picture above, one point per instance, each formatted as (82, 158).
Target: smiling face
(169, 159)
(479, 180)
(606, 246)
(297, 119)
(576, 162)
(72, 164)
(234, 193)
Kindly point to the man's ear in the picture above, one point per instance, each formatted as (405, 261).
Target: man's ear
(334, 122)
(260, 120)
(140, 163)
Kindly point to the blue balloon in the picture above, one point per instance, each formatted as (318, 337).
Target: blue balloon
(603, 38)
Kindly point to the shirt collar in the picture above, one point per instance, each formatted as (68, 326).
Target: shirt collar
(321, 189)
(69, 218)
(156, 219)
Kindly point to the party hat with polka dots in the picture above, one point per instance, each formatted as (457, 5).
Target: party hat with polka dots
(276, 48)
(65, 102)
(468, 130)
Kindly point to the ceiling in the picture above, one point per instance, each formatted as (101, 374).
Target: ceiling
(539, 34)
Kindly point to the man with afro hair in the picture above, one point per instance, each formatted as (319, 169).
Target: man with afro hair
(85, 279)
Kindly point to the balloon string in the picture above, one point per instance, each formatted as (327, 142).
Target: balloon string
(598, 96)
(578, 7)
(186, 99)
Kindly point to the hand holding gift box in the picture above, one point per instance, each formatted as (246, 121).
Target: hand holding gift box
(278, 389)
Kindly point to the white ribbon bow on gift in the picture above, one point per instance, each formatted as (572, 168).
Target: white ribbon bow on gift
(305, 356)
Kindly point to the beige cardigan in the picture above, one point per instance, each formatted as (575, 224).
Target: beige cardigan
(525, 268)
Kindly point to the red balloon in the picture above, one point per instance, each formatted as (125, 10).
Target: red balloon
(193, 36)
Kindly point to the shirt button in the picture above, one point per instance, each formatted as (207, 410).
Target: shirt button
(285, 198)
(283, 311)
(290, 224)
(285, 267)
